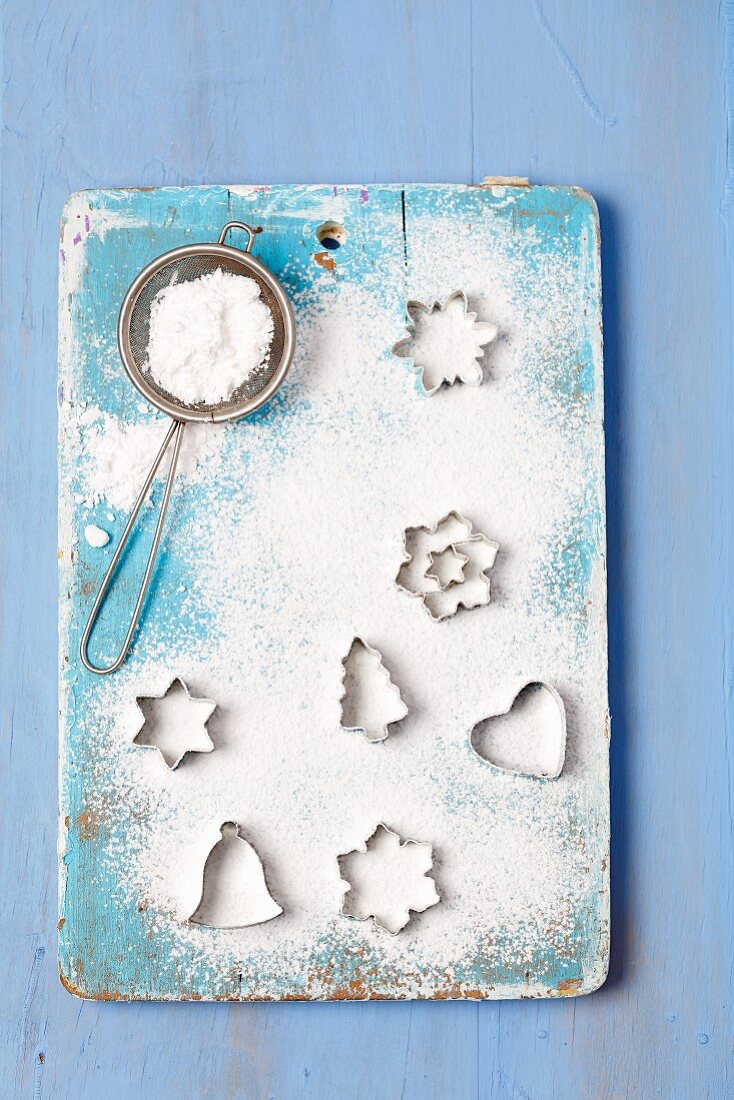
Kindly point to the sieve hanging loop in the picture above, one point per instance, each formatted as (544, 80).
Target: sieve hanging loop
(175, 432)
(186, 264)
(239, 225)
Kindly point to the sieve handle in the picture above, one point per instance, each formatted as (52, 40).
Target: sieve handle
(239, 225)
(175, 432)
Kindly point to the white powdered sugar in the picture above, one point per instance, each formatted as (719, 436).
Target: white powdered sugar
(291, 547)
(207, 336)
(95, 536)
(118, 454)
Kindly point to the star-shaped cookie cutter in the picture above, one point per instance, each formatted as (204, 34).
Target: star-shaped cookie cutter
(172, 760)
(447, 567)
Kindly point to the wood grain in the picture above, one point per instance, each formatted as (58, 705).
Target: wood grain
(634, 102)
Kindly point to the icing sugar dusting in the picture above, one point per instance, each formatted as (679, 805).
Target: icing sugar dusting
(117, 455)
(309, 507)
(96, 536)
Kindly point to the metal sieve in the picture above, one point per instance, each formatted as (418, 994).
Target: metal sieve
(183, 265)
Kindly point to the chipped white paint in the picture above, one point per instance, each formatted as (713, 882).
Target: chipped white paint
(294, 523)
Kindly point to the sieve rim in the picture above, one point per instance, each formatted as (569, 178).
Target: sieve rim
(228, 411)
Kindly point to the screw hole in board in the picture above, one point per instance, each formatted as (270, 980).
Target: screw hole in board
(331, 235)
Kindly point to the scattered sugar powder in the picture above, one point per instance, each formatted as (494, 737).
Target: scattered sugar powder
(286, 578)
(207, 336)
(118, 455)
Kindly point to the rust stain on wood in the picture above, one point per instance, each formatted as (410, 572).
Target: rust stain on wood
(88, 824)
(569, 987)
(325, 260)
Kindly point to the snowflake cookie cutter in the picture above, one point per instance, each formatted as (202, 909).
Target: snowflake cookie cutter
(429, 574)
(430, 359)
(223, 905)
(145, 737)
(540, 707)
(357, 709)
(370, 892)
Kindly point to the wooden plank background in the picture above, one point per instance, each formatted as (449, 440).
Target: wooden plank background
(632, 101)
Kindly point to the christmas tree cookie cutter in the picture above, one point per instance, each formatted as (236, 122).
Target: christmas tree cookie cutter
(234, 890)
(445, 333)
(166, 733)
(370, 701)
(386, 879)
(446, 566)
(528, 738)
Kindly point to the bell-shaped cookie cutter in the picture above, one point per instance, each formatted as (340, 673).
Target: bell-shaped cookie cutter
(254, 904)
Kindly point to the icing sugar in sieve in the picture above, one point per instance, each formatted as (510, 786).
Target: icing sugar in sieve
(186, 264)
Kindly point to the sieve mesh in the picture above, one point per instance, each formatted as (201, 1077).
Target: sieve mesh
(185, 269)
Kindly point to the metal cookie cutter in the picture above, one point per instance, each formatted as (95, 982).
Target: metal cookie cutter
(180, 700)
(370, 701)
(234, 891)
(183, 265)
(427, 346)
(446, 566)
(534, 727)
(388, 901)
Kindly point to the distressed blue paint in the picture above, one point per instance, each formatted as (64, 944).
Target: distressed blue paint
(152, 223)
(444, 91)
(108, 948)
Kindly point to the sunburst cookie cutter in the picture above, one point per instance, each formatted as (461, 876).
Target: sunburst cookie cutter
(427, 573)
(430, 353)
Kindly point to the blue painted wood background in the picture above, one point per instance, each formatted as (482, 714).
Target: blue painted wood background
(632, 101)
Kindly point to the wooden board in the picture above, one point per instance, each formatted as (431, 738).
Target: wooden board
(321, 485)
